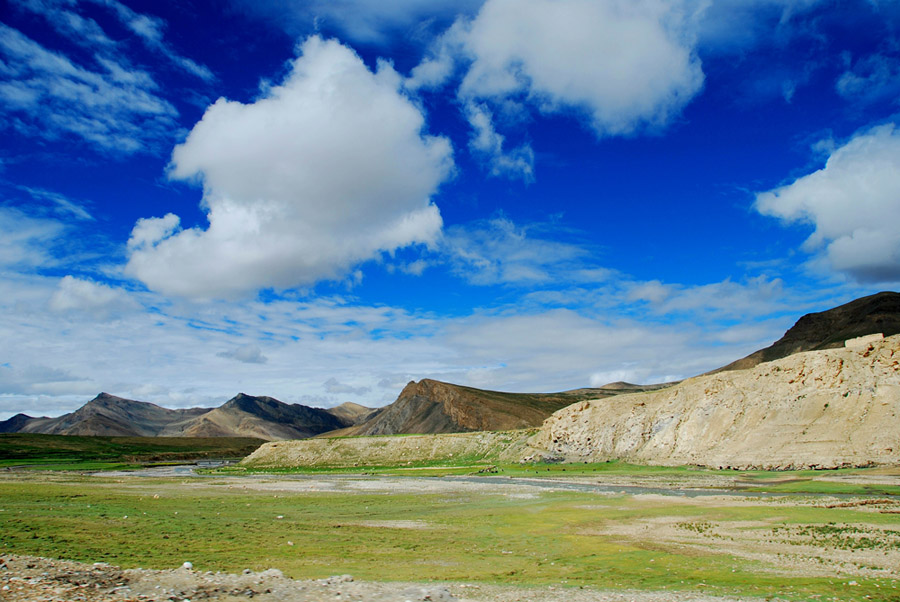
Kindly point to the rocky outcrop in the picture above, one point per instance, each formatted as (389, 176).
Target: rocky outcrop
(878, 313)
(818, 409)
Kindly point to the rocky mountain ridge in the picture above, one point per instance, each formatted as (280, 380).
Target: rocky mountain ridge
(242, 416)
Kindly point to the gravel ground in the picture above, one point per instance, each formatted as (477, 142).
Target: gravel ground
(31, 579)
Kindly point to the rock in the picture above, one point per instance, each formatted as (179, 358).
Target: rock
(819, 409)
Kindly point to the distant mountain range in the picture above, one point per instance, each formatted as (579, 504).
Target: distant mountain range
(241, 416)
(427, 406)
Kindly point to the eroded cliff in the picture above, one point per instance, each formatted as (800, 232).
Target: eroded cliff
(818, 409)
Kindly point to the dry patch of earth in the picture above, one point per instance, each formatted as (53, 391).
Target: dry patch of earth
(856, 549)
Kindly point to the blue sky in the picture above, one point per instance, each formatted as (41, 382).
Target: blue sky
(322, 200)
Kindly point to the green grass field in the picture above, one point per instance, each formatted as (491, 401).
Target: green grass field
(539, 538)
(66, 452)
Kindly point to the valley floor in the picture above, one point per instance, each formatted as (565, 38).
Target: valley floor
(653, 537)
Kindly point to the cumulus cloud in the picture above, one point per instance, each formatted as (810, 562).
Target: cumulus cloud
(101, 300)
(852, 203)
(624, 65)
(329, 169)
(248, 354)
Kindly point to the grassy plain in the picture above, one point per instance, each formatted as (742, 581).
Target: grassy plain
(390, 528)
(67, 452)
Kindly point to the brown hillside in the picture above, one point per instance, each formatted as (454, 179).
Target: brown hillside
(264, 418)
(111, 416)
(829, 329)
(432, 407)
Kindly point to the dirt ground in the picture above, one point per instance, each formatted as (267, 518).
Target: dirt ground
(31, 579)
(817, 551)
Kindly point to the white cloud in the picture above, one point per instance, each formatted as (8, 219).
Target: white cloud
(487, 142)
(61, 204)
(852, 203)
(87, 32)
(150, 230)
(320, 350)
(151, 31)
(361, 20)
(334, 386)
(625, 65)
(100, 300)
(81, 30)
(328, 170)
(48, 95)
(38, 379)
(497, 251)
(718, 300)
(871, 78)
(27, 241)
(248, 354)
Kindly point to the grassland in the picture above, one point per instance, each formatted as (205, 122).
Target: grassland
(65, 452)
(418, 529)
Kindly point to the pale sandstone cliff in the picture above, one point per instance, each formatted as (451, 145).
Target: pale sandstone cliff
(819, 409)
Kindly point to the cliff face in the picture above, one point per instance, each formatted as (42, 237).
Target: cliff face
(818, 409)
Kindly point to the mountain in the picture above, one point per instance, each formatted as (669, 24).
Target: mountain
(108, 415)
(432, 407)
(242, 416)
(352, 414)
(814, 409)
(265, 418)
(878, 313)
(16, 423)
